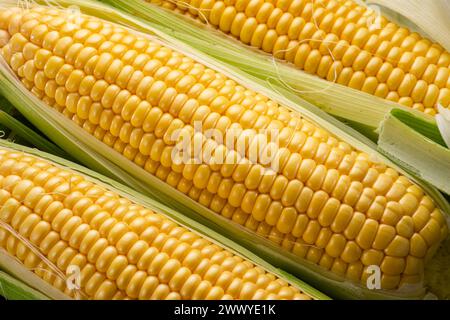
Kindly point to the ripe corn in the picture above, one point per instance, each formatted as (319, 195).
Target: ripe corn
(326, 202)
(337, 40)
(123, 250)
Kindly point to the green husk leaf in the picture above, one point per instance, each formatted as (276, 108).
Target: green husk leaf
(420, 155)
(13, 289)
(15, 127)
(30, 136)
(152, 186)
(176, 215)
(425, 127)
(7, 107)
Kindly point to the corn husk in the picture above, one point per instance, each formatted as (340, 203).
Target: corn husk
(15, 130)
(13, 289)
(443, 122)
(431, 160)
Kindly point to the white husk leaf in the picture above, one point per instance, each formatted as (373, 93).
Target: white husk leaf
(420, 156)
(443, 123)
(430, 16)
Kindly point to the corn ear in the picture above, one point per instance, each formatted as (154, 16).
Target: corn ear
(212, 244)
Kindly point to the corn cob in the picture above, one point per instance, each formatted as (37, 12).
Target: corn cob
(336, 40)
(326, 202)
(123, 250)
